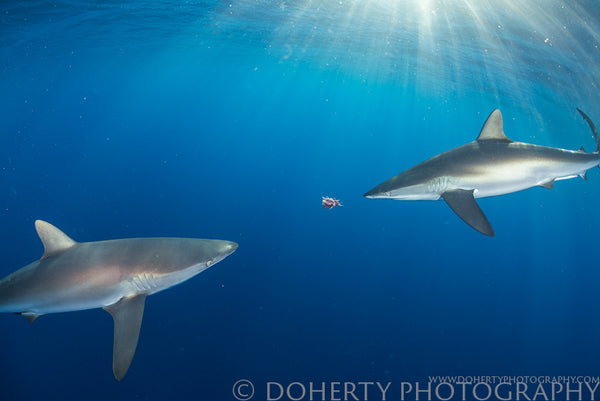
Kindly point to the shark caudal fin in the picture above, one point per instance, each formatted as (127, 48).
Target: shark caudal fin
(593, 128)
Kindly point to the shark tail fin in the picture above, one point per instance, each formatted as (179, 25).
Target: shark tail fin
(593, 128)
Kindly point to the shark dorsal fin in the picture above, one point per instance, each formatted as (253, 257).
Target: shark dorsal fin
(493, 128)
(54, 240)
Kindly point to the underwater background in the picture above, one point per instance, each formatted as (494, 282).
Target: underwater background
(230, 120)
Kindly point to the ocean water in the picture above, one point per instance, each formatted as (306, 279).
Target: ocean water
(230, 120)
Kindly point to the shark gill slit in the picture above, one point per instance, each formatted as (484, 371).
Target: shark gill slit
(143, 282)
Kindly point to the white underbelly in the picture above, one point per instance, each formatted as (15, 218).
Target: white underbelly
(500, 183)
(70, 301)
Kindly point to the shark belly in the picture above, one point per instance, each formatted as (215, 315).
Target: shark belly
(516, 177)
(20, 295)
(62, 284)
(74, 300)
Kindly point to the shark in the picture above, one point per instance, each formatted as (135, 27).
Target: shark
(489, 166)
(116, 275)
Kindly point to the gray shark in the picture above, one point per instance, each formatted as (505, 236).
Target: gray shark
(115, 275)
(489, 166)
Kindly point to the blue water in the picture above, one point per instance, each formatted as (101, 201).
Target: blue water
(230, 120)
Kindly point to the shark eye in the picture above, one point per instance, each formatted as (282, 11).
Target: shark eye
(209, 262)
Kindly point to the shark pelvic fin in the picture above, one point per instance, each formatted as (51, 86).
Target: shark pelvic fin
(54, 240)
(463, 203)
(493, 128)
(30, 316)
(127, 315)
(548, 184)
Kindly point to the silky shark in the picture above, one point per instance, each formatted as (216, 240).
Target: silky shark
(115, 275)
(489, 166)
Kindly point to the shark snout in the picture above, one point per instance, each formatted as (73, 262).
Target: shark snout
(228, 247)
(224, 249)
(369, 194)
(209, 251)
(376, 193)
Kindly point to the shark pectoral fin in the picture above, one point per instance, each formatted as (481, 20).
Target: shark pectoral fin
(548, 184)
(127, 315)
(464, 205)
